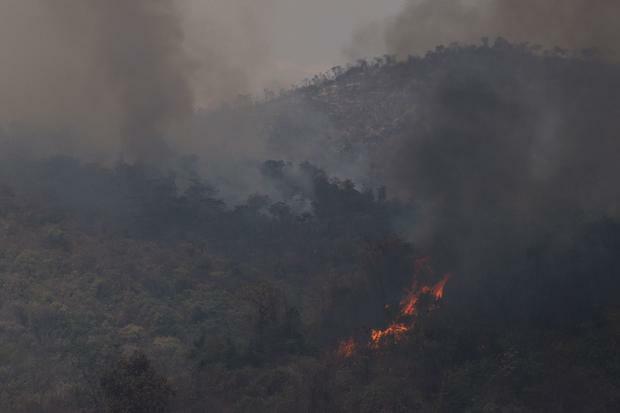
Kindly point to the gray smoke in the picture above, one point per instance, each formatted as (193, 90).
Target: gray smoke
(506, 149)
(108, 70)
(102, 78)
(424, 24)
(501, 150)
(139, 48)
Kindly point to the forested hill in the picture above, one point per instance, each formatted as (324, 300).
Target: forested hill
(356, 121)
(470, 263)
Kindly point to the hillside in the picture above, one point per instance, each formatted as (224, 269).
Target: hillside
(435, 234)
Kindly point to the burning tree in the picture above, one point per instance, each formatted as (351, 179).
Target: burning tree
(405, 319)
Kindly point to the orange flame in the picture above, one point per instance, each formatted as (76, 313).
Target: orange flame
(396, 331)
(405, 320)
(408, 305)
(437, 290)
(347, 348)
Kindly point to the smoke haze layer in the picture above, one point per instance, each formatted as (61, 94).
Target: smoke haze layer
(423, 24)
(111, 71)
(99, 79)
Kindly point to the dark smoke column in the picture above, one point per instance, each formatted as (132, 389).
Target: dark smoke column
(142, 52)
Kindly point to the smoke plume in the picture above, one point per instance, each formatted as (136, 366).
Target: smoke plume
(506, 150)
(570, 24)
(112, 68)
(103, 78)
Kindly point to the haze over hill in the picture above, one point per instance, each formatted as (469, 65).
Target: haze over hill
(436, 232)
(423, 24)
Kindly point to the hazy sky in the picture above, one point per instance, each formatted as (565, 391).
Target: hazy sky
(315, 33)
(283, 41)
(61, 51)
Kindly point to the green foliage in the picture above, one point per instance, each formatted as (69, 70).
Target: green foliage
(133, 386)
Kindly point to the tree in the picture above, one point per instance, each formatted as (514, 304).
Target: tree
(133, 386)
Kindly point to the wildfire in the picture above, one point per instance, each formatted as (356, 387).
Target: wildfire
(347, 348)
(409, 303)
(438, 288)
(405, 320)
(396, 331)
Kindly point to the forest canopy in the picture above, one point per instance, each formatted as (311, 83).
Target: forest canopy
(444, 237)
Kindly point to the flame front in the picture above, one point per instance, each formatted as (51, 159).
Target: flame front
(438, 288)
(395, 331)
(405, 319)
(408, 305)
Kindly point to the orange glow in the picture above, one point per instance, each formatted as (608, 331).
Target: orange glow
(408, 305)
(438, 288)
(347, 348)
(406, 318)
(423, 264)
(396, 331)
